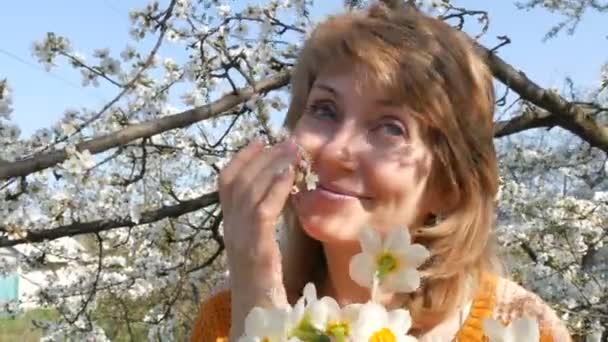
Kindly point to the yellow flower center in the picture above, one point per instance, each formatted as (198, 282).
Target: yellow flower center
(338, 329)
(265, 339)
(386, 263)
(384, 335)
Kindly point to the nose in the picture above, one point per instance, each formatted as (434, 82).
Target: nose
(342, 147)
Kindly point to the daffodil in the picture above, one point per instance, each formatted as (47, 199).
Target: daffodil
(392, 263)
(520, 330)
(306, 320)
(335, 322)
(376, 324)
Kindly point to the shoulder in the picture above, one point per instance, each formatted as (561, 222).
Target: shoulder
(513, 301)
(213, 320)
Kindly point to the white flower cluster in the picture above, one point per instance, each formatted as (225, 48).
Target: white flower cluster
(146, 260)
(46, 50)
(78, 161)
(6, 100)
(388, 265)
(604, 76)
(433, 5)
(552, 221)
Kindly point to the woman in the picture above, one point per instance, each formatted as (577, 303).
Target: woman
(395, 111)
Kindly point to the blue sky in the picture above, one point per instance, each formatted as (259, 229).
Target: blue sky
(41, 97)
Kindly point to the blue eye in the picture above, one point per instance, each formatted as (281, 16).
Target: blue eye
(323, 111)
(391, 128)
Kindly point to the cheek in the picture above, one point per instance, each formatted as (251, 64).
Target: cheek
(309, 136)
(388, 182)
(399, 189)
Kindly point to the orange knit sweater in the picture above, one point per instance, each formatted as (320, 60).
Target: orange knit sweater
(496, 297)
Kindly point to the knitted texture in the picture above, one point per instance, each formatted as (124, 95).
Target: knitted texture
(496, 298)
(513, 301)
(213, 321)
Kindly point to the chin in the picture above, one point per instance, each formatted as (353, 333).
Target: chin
(328, 218)
(330, 228)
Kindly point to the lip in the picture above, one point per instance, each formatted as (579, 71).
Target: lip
(334, 190)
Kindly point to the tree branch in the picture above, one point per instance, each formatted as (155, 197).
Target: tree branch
(103, 225)
(146, 129)
(528, 120)
(562, 113)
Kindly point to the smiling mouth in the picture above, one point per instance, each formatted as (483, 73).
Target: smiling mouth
(333, 192)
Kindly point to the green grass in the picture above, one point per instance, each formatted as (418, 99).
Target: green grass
(21, 329)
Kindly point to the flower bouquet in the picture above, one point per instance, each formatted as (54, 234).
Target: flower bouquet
(382, 266)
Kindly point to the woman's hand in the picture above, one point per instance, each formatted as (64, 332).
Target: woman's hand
(254, 188)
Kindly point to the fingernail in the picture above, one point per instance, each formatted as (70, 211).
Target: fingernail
(284, 170)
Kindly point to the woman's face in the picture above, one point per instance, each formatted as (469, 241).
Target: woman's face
(371, 162)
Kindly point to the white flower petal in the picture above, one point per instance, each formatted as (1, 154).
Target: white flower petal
(493, 329)
(333, 308)
(372, 317)
(525, 329)
(415, 255)
(406, 339)
(405, 280)
(351, 312)
(276, 322)
(319, 313)
(397, 239)
(370, 240)
(399, 320)
(310, 293)
(295, 315)
(362, 269)
(255, 322)
(374, 311)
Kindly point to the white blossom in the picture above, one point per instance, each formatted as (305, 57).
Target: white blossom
(68, 128)
(193, 98)
(393, 261)
(224, 10)
(241, 30)
(128, 53)
(375, 323)
(89, 77)
(265, 325)
(6, 100)
(110, 66)
(101, 53)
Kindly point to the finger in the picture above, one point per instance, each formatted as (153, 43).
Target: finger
(265, 178)
(252, 172)
(232, 169)
(274, 200)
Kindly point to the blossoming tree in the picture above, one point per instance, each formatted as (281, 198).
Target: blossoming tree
(134, 179)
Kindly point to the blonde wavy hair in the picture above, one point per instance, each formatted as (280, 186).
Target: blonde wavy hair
(435, 70)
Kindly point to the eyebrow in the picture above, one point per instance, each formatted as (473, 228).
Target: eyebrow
(336, 93)
(327, 88)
